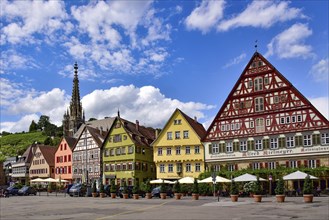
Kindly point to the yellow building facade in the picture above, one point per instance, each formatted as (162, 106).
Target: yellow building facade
(178, 151)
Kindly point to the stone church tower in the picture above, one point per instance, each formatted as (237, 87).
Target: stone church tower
(74, 116)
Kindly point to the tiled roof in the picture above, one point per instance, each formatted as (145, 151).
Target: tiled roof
(102, 124)
(197, 127)
(70, 141)
(48, 153)
(98, 135)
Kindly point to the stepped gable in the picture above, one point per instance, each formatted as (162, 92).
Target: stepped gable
(139, 134)
(48, 153)
(262, 95)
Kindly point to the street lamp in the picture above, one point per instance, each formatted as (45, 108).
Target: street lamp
(270, 179)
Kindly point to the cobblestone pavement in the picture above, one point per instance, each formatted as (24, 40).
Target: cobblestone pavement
(60, 207)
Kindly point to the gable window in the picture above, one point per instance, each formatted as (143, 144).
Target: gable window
(258, 86)
(299, 118)
(259, 104)
(117, 138)
(287, 119)
(251, 124)
(243, 145)
(325, 138)
(177, 121)
(130, 149)
(177, 134)
(185, 134)
(169, 135)
(307, 140)
(274, 143)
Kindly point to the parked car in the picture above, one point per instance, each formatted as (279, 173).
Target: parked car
(68, 187)
(12, 190)
(27, 190)
(156, 192)
(77, 189)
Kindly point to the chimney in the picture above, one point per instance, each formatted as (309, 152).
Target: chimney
(156, 133)
(195, 119)
(137, 125)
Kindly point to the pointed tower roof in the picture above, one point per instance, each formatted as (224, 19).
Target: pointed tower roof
(261, 79)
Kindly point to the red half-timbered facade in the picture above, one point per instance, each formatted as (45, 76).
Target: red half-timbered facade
(265, 122)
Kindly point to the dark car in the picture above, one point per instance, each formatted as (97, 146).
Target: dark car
(77, 189)
(27, 190)
(12, 190)
(156, 192)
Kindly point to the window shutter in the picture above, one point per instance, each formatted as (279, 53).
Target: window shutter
(222, 147)
(261, 165)
(297, 141)
(249, 145)
(276, 165)
(265, 144)
(282, 142)
(299, 163)
(236, 167)
(318, 163)
(236, 146)
(287, 164)
(314, 139)
(250, 165)
(210, 148)
(266, 165)
(305, 163)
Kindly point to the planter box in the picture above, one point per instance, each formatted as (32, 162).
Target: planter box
(113, 195)
(234, 198)
(178, 195)
(125, 196)
(257, 198)
(163, 195)
(94, 195)
(148, 195)
(308, 198)
(102, 195)
(136, 196)
(195, 196)
(280, 198)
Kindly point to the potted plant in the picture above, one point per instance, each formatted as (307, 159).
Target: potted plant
(257, 190)
(125, 190)
(135, 191)
(94, 190)
(279, 191)
(147, 188)
(308, 190)
(177, 190)
(195, 190)
(163, 190)
(50, 188)
(234, 191)
(101, 190)
(113, 190)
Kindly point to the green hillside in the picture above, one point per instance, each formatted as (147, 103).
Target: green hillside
(16, 144)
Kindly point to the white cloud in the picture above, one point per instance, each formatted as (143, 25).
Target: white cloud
(12, 60)
(322, 104)
(235, 61)
(320, 71)
(290, 43)
(22, 125)
(262, 14)
(205, 16)
(26, 18)
(143, 104)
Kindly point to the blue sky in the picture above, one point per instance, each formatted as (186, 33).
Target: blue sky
(148, 58)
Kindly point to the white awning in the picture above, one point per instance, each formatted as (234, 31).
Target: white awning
(282, 136)
(250, 139)
(266, 137)
(222, 142)
(299, 134)
(236, 140)
(316, 132)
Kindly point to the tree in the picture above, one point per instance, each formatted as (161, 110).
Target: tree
(33, 126)
(48, 141)
(43, 121)
(308, 185)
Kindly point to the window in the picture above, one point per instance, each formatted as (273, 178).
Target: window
(290, 142)
(162, 168)
(271, 165)
(159, 151)
(112, 152)
(118, 151)
(177, 134)
(65, 158)
(216, 167)
(130, 150)
(276, 99)
(282, 120)
(251, 124)
(260, 125)
(259, 104)
(256, 166)
(123, 151)
(325, 138)
(268, 122)
(177, 150)
(274, 143)
(196, 149)
(311, 163)
(170, 168)
(65, 146)
(265, 80)
(293, 164)
(197, 167)
(69, 158)
(117, 138)
(169, 135)
(250, 84)
(223, 128)
(230, 167)
(188, 167)
(307, 140)
(258, 145)
(243, 145)
(179, 167)
(185, 134)
(168, 150)
(107, 153)
(258, 84)
(287, 119)
(215, 148)
(299, 118)
(61, 147)
(187, 150)
(293, 119)
(229, 147)
(177, 122)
